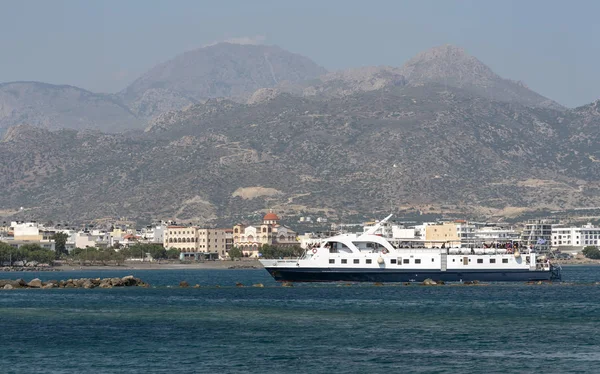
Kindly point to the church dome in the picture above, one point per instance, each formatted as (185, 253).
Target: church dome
(270, 217)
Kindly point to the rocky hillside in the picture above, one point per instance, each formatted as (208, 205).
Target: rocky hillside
(447, 66)
(397, 147)
(54, 107)
(220, 70)
(450, 65)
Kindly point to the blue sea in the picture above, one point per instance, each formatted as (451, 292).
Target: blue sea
(308, 328)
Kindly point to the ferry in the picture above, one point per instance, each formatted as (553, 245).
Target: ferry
(372, 258)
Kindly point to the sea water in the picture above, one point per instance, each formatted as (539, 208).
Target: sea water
(308, 328)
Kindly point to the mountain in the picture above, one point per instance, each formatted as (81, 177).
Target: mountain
(400, 147)
(446, 66)
(451, 65)
(347, 82)
(221, 70)
(53, 107)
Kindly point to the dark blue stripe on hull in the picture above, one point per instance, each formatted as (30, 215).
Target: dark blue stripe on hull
(341, 275)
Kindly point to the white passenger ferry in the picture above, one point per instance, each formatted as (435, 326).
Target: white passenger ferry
(371, 258)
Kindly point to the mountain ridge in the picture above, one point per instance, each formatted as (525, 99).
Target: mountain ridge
(224, 70)
(56, 106)
(399, 147)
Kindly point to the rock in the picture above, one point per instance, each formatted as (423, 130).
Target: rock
(105, 283)
(238, 284)
(184, 284)
(70, 285)
(260, 285)
(116, 282)
(378, 284)
(287, 284)
(20, 283)
(88, 284)
(429, 282)
(53, 281)
(406, 283)
(128, 281)
(8, 287)
(197, 286)
(35, 283)
(48, 285)
(79, 282)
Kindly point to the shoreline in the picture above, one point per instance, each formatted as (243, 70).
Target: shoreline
(136, 265)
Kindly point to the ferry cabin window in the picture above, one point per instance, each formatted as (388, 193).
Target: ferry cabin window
(480, 260)
(492, 260)
(332, 261)
(406, 261)
(417, 260)
(356, 261)
(344, 261)
(505, 260)
(368, 260)
(393, 261)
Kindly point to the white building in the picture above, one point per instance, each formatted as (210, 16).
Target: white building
(465, 231)
(25, 230)
(537, 234)
(153, 234)
(575, 237)
(494, 234)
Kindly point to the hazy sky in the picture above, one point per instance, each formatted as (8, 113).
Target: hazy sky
(553, 46)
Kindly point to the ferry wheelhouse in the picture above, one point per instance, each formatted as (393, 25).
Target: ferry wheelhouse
(371, 258)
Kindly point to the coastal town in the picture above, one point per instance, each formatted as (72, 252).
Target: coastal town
(190, 243)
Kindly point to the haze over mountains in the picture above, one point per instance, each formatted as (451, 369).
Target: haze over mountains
(231, 129)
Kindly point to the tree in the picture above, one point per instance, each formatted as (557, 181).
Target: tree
(591, 252)
(272, 251)
(60, 243)
(172, 254)
(5, 253)
(235, 252)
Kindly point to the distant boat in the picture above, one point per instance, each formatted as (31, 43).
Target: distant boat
(371, 258)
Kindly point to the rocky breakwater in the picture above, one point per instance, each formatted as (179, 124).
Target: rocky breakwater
(128, 281)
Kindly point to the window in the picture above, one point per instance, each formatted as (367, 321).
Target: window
(492, 260)
(393, 261)
(417, 260)
(406, 261)
(505, 260)
(368, 261)
(344, 261)
(432, 260)
(480, 260)
(356, 261)
(332, 261)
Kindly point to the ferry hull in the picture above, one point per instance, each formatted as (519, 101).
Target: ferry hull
(383, 275)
